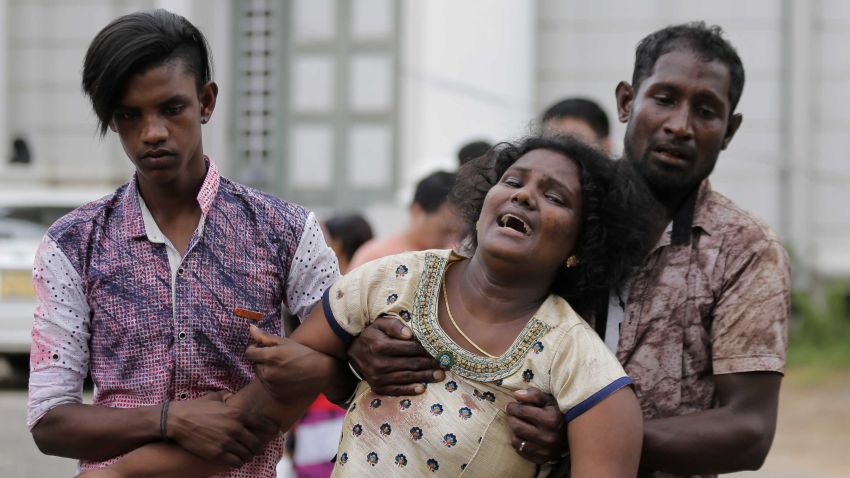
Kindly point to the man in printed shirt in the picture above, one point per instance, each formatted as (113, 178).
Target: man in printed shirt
(702, 329)
(151, 289)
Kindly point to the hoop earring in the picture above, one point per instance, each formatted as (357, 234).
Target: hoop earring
(572, 261)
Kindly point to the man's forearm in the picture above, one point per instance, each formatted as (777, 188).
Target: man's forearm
(90, 432)
(709, 442)
(169, 460)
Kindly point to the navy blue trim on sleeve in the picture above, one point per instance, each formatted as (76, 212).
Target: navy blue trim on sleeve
(329, 315)
(597, 397)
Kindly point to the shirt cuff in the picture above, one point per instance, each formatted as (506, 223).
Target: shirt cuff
(329, 316)
(749, 363)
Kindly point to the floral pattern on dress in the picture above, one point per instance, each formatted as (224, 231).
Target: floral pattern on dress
(489, 396)
(401, 271)
(528, 375)
(404, 404)
(372, 458)
(416, 433)
(451, 386)
(401, 460)
(436, 409)
(465, 413)
(537, 347)
(386, 429)
(392, 298)
(449, 440)
(433, 465)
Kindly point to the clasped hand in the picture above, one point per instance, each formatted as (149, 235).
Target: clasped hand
(286, 368)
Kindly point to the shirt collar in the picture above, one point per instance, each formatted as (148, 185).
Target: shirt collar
(691, 215)
(134, 220)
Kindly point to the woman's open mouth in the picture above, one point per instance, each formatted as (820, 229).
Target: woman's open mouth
(514, 222)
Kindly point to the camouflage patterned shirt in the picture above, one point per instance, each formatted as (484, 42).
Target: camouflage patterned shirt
(714, 303)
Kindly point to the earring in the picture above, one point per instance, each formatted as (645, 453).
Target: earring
(204, 120)
(572, 261)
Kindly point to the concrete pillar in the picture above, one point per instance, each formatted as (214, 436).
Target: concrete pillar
(467, 71)
(4, 83)
(796, 173)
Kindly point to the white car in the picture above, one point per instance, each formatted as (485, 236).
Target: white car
(25, 215)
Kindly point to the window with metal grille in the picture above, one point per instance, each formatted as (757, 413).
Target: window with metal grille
(254, 121)
(318, 125)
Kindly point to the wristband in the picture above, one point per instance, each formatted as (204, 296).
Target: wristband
(163, 420)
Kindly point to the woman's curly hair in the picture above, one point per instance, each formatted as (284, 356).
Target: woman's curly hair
(612, 240)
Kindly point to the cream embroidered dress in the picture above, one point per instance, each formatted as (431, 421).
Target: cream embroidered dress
(458, 427)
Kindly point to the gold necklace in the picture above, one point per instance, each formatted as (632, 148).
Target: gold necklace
(452, 319)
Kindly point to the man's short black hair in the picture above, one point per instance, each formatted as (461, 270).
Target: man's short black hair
(433, 190)
(582, 109)
(352, 230)
(134, 43)
(472, 150)
(705, 41)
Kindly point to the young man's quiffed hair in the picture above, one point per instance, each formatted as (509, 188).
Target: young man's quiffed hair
(133, 44)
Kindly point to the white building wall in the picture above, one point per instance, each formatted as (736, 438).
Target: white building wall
(467, 72)
(830, 172)
(5, 21)
(44, 46)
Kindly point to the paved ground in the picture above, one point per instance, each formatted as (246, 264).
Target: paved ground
(812, 440)
(813, 431)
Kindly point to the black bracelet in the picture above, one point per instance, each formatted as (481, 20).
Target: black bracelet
(163, 420)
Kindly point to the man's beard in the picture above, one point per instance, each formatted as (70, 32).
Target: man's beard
(665, 185)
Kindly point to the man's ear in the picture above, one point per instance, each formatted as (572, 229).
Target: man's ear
(625, 96)
(732, 128)
(209, 93)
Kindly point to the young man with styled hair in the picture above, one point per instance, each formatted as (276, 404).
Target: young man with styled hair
(151, 289)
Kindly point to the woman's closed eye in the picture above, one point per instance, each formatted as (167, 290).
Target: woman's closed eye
(512, 182)
(556, 198)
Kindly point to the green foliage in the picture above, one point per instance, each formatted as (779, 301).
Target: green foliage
(820, 335)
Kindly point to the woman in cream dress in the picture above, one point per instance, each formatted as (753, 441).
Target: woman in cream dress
(555, 224)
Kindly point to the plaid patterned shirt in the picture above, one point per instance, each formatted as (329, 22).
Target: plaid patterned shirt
(116, 299)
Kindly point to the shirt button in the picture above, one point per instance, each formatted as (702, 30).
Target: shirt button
(180, 271)
(181, 335)
(184, 396)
